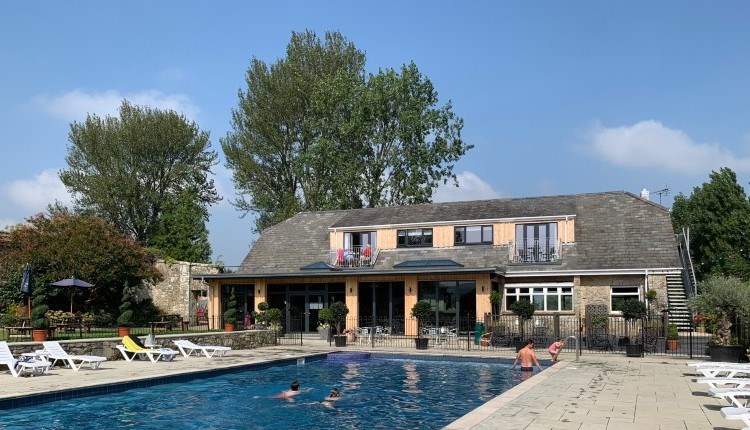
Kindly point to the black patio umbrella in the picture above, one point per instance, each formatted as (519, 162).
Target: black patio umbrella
(72, 282)
(26, 285)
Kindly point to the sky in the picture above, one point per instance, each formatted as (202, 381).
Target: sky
(556, 97)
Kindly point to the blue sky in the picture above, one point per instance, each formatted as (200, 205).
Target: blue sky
(557, 97)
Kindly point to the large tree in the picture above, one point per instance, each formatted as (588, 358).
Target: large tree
(718, 215)
(181, 231)
(127, 169)
(314, 131)
(62, 245)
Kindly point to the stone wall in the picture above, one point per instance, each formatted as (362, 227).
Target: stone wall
(177, 293)
(595, 290)
(247, 339)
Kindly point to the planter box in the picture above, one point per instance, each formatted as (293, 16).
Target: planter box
(634, 350)
(340, 340)
(324, 333)
(727, 353)
(673, 344)
(421, 342)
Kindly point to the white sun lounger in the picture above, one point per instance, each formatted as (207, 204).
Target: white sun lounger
(18, 367)
(738, 383)
(55, 352)
(187, 348)
(737, 397)
(727, 370)
(735, 413)
(153, 354)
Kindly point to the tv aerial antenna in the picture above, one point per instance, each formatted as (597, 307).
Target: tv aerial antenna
(662, 192)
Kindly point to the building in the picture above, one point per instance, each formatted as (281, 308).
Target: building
(562, 253)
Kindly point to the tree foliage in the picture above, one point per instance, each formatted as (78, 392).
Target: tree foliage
(722, 300)
(127, 169)
(61, 245)
(314, 131)
(718, 215)
(180, 232)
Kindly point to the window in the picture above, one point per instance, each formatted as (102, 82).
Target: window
(536, 243)
(477, 234)
(360, 240)
(620, 294)
(415, 237)
(544, 298)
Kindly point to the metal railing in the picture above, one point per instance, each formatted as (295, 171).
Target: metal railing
(356, 256)
(688, 274)
(535, 251)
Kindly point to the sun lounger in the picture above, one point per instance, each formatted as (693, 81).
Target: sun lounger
(131, 348)
(55, 352)
(735, 413)
(738, 383)
(722, 370)
(19, 367)
(737, 397)
(715, 364)
(187, 348)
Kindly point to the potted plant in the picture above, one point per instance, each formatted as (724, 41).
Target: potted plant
(673, 337)
(231, 313)
(339, 311)
(125, 320)
(273, 318)
(324, 326)
(39, 321)
(422, 311)
(260, 316)
(632, 310)
(495, 298)
(721, 300)
(524, 309)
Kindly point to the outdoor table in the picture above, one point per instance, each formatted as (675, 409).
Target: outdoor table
(14, 331)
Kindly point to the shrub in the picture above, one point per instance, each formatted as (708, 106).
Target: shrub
(721, 301)
(672, 333)
(231, 314)
(126, 308)
(39, 309)
(422, 310)
(324, 318)
(523, 308)
(339, 311)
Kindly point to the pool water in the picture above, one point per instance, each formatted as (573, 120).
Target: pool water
(375, 394)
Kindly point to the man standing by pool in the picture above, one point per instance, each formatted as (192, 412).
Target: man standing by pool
(527, 357)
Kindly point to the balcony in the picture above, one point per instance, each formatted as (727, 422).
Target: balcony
(535, 251)
(354, 257)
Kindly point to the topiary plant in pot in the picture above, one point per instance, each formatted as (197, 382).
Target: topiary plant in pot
(231, 313)
(125, 320)
(422, 311)
(524, 309)
(339, 311)
(632, 311)
(673, 337)
(39, 321)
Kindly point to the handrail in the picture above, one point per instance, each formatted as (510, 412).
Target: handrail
(688, 273)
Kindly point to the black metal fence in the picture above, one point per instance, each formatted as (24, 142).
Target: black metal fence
(604, 335)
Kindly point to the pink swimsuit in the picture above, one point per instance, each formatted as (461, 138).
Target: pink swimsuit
(553, 348)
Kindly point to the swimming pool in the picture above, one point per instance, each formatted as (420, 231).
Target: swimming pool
(376, 393)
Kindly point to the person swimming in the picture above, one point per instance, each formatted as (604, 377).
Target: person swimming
(291, 392)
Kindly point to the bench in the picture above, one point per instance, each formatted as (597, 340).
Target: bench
(170, 322)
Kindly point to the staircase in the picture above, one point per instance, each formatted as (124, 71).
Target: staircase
(677, 301)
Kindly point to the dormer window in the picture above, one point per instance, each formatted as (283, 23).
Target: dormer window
(414, 238)
(473, 235)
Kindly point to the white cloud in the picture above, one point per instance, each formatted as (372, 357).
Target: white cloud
(76, 104)
(33, 195)
(470, 187)
(650, 144)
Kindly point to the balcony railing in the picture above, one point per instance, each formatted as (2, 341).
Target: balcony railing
(535, 251)
(356, 256)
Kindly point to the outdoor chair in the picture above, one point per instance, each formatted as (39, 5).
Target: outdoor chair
(19, 367)
(132, 347)
(55, 352)
(734, 413)
(500, 337)
(187, 348)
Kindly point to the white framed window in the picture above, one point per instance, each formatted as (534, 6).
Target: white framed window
(550, 297)
(617, 295)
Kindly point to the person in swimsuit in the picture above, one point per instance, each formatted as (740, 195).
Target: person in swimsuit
(333, 396)
(527, 357)
(291, 392)
(554, 349)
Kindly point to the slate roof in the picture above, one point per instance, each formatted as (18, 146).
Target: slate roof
(614, 231)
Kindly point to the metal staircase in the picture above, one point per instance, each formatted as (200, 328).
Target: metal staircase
(678, 311)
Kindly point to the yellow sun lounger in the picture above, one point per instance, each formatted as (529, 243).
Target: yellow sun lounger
(130, 349)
